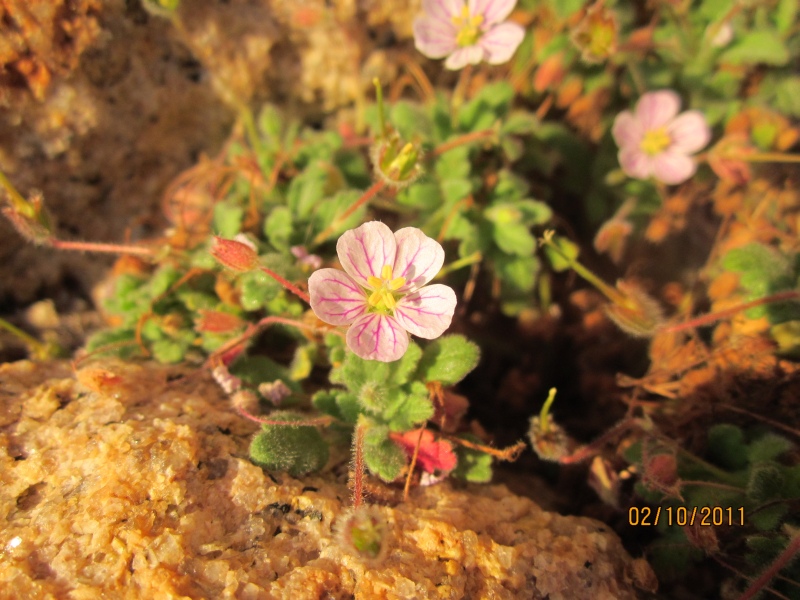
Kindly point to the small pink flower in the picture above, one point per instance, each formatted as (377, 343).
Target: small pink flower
(655, 141)
(467, 31)
(380, 296)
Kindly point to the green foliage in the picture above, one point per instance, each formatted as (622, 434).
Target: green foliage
(382, 456)
(448, 359)
(296, 450)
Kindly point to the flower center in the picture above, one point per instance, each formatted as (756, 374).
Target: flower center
(655, 141)
(382, 299)
(469, 28)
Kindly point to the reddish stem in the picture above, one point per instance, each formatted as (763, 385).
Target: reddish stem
(762, 580)
(592, 448)
(100, 247)
(365, 197)
(729, 312)
(463, 139)
(287, 284)
(358, 466)
(320, 421)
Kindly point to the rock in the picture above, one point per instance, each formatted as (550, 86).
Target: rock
(132, 481)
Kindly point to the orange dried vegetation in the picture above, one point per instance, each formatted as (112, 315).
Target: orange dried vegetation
(40, 39)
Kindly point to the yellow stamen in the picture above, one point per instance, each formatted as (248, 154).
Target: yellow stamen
(469, 28)
(655, 141)
(381, 297)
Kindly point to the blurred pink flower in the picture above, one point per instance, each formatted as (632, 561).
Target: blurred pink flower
(467, 31)
(656, 141)
(380, 294)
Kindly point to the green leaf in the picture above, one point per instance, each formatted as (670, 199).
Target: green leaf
(787, 96)
(168, 351)
(520, 123)
(227, 219)
(296, 450)
(757, 47)
(303, 362)
(162, 281)
(255, 289)
(448, 359)
(514, 238)
(786, 15)
(768, 447)
(424, 195)
(557, 261)
(767, 518)
(118, 342)
(278, 228)
(306, 190)
(255, 370)
(454, 164)
(766, 482)
(328, 211)
(518, 273)
(382, 456)
(726, 446)
(407, 410)
(355, 372)
(411, 120)
(454, 190)
(473, 465)
(534, 212)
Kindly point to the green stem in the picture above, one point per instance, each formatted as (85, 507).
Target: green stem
(544, 414)
(473, 258)
(379, 100)
(35, 347)
(18, 202)
(608, 291)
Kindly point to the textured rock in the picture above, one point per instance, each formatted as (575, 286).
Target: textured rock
(133, 482)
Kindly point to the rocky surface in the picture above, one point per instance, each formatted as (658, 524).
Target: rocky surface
(132, 481)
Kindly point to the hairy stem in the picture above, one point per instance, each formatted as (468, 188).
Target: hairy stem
(288, 285)
(770, 572)
(365, 197)
(467, 138)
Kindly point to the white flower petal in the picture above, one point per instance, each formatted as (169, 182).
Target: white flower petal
(656, 109)
(468, 55)
(419, 258)
(627, 130)
(375, 336)
(335, 297)
(442, 10)
(673, 167)
(689, 132)
(500, 42)
(493, 11)
(364, 251)
(427, 313)
(635, 163)
(433, 38)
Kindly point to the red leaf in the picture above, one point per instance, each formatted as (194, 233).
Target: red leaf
(433, 455)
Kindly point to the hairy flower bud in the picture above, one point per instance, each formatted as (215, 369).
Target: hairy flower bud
(237, 255)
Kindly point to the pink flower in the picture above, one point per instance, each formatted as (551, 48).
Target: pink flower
(656, 141)
(381, 295)
(467, 31)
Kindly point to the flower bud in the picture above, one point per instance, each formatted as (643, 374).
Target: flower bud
(397, 166)
(238, 255)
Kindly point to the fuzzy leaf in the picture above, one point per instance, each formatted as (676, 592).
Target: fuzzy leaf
(726, 446)
(768, 447)
(383, 457)
(767, 518)
(520, 123)
(297, 450)
(407, 410)
(303, 362)
(567, 247)
(278, 228)
(448, 359)
(328, 211)
(424, 195)
(518, 272)
(766, 483)
(168, 351)
(227, 219)
(514, 239)
(787, 96)
(307, 190)
(255, 370)
(355, 372)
